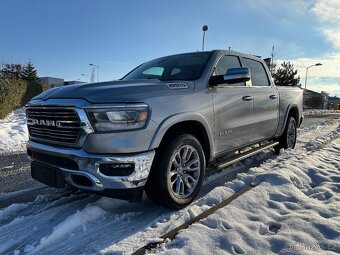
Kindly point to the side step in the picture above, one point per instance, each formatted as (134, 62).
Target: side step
(238, 157)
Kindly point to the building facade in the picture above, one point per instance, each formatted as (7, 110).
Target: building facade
(52, 81)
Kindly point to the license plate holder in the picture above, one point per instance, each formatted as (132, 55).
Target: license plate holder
(48, 175)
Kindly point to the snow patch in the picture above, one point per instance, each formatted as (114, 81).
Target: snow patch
(11, 210)
(315, 143)
(13, 131)
(319, 112)
(79, 219)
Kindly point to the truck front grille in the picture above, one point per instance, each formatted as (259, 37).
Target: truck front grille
(54, 124)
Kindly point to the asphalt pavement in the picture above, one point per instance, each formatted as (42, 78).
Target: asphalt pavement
(15, 172)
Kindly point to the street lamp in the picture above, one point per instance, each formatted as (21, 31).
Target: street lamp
(85, 75)
(97, 70)
(317, 64)
(204, 29)
(304, 97)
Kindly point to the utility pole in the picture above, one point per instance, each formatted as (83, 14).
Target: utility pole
(272, 62)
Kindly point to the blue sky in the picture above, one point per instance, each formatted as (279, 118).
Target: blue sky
(62, 37)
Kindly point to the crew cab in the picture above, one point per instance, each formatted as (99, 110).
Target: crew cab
(159, 127)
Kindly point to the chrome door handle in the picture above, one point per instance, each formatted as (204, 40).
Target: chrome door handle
(272, 96)
(247, 98)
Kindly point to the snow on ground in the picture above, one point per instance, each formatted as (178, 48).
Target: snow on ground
(312, 127)
(319, 111)
(293, 209)
(13, 131)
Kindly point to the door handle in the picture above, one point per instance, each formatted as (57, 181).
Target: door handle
(272, 96)
(247, 98)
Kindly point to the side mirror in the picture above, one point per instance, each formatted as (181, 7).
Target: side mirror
(236, 75)
(233, 75)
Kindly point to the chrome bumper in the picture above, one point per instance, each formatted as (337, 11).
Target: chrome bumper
(88, 165)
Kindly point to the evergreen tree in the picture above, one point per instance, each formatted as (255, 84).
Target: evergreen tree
(29, 72)
(286, 75)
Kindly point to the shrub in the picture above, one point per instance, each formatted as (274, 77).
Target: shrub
(11, 93)
(32, 89)
(15, 93)
(336, 106)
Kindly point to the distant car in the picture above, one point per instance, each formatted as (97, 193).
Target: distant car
(159, 127)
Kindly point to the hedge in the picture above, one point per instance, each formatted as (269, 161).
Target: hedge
(336, 106)
(15, 93)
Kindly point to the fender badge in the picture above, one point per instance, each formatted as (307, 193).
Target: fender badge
(178, 86)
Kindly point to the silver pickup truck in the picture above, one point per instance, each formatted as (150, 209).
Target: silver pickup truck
(159, 127)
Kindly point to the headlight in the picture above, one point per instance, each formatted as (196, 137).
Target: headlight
(118, 119)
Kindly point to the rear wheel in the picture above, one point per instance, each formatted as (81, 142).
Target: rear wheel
(177, 173)
(288, 139)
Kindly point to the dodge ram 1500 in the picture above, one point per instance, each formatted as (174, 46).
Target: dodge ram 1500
(160, 126)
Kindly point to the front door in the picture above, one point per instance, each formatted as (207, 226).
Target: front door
(233, 109)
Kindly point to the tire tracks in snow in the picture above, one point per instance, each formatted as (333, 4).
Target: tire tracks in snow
(28, 229)
(169, 236)
(48, 217)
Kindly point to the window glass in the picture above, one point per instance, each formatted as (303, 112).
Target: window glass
(258, 73)
(157, 71)
(224, 64)
(188, 66)
(175, 71)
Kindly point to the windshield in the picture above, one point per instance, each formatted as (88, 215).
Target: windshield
(187, 66)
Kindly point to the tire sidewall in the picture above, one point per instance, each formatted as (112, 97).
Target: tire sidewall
(165, 167)
(290, 122)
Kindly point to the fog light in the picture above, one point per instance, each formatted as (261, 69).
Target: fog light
(117, 169)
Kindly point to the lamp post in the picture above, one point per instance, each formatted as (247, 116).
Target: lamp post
(97, 67)
(84, 75)
(204, 29)
(304, 98)
(317, 64)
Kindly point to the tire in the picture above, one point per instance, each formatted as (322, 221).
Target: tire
(288, 139)
(173, 183)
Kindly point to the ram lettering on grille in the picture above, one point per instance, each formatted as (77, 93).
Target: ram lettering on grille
(53, 124)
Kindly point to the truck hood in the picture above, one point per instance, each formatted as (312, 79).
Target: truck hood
(118, 91)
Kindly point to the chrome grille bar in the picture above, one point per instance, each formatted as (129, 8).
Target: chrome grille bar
(54, 124)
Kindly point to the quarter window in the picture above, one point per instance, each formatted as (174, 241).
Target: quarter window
(259, 75)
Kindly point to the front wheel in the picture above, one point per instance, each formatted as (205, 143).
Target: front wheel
(177, 173)
(288, 139)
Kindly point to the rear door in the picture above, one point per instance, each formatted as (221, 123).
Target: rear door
(233, 108)
(266, 100)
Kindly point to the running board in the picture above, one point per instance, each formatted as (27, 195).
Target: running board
(245, 155)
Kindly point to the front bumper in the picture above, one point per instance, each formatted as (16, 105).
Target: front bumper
(87, 166)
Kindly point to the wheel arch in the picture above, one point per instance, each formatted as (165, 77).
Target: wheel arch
(292, 111)
(190, 123)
